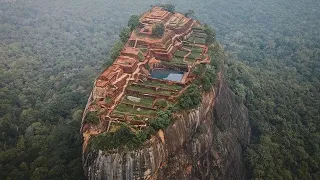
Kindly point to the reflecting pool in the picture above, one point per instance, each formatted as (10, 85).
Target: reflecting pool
(167, 74)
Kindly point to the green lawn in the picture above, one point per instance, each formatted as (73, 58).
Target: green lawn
(148, 90)
(191, 60)
(163, 85)
(200, 34)
(190, 39)
(180, 53)
(187, 45)
(123, 108)
(197, 49)
(199, 28)
(144, 100)
(194, 55)
(198, 40)
(177, 60)
(143, 50)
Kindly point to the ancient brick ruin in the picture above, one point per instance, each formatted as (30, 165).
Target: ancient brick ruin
(127, 92)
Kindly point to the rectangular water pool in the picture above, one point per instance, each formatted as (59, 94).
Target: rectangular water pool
(167, 74)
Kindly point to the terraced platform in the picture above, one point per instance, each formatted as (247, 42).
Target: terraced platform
(126, 93)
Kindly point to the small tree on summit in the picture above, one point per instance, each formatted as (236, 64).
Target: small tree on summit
(191, 98)
(211, 34)
(189, 13)
(158, 30)
(124, 34)
(167, 7)
(133, 22)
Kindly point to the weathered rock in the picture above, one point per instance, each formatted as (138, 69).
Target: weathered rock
(204, 143)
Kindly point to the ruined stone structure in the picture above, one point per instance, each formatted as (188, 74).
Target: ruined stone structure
(180, 48)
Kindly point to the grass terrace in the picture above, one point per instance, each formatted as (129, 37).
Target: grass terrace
(180, 53)
(187, 45)
(146, 90)
(123, 109)
(162, 84)
(190, 60)
(117, 115)
(200, 34)
(177, 60)
(196, 39)
(144, 50)
(194, 55)
(115, 127)
(199, 40)
(196, 49)
(136, 118)
(198, 28)
(144, 100)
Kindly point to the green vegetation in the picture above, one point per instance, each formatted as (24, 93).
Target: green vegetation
(163, 120)
(209, 78)
(129, 109)
(92, 117)
(141, 57)
(198, 70)
(167, 7)
(190, 13)
(197, 39)
(148, 90)
(133, 22)
(144, 50)
(125, 34)
(51, 51)
(161, 103)
(181, 53)
(158, 30)
(187, 45)
(163, 85)
(144, 100)
(191, 98)
(211, 34)
(194, 55)
(108, 100)
(122, 139)
(208, 73)
(115, 52)
(176, 62)
(196, 49)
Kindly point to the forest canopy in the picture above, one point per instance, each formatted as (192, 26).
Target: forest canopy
(51, 51)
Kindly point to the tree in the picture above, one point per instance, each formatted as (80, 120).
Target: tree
(158, 30)
(189, 13)
(168, 7)
(133, 22)
(191, 98)
(162, 121)
(211, 34)
(92, 117)
(115, 52)
(124, 34)
(39, 173)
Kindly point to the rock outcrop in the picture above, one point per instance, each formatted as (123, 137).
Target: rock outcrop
(204, 143)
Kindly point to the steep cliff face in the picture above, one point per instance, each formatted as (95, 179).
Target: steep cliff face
(205, 143)
(215, 149)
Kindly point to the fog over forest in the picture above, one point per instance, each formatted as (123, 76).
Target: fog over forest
(51, 51)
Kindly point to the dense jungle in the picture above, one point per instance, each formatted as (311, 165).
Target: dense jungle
(51, 52)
